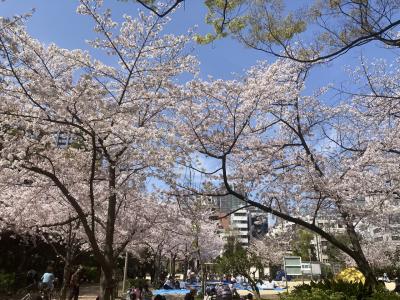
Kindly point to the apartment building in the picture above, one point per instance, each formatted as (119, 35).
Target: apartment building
(244, 224)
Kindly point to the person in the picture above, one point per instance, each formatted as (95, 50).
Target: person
(224, 293)
(130, 294)
(158, 297)
(192, 277)
(47, 282)
(385, 277)
(211, 293)
(235, 294)
(32, 278)
(147, 294)
(74, 284)
(270, 284)
(177, 284)
(249, 296)
(397, 285)
(168, 285)
(139, 293)
(191, 294)
(48, 278)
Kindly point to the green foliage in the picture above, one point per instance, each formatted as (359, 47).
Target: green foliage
(384, 295)
(92, 274)
(302, 246)
(7, 281)
(349, 289)
(338, 290)
(316, 294)
(235, 260)
(138, 282)
(392, 271)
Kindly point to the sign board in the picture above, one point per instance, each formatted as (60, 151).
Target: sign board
(316, 269)
(306, 267)
(311, 268)
(292, 265)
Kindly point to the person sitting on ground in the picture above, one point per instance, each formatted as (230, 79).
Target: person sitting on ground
(385, 277)
(211, 293)
(147, 294)
(177, 284)
(235, 294)
(168, 285)
(191, 294)
(249, 296)
(397, 285)
(139, 293)
(131, 295)
(270, 284)
(224, 293)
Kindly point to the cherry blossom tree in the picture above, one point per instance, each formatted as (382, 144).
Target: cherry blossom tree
(91, 132)
(269, 145)
(56, 224)
(181, 232)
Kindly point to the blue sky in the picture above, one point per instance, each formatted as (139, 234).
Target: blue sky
(56, 21)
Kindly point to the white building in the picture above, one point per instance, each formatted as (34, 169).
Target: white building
(244, 223)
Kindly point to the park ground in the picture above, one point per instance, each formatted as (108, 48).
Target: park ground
(89, 292)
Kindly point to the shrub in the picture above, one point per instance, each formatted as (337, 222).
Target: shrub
(384, 295)
(350, 289)
(7, 280)
(138, 282)
(316, 294)
(337, 290)
(92, 274)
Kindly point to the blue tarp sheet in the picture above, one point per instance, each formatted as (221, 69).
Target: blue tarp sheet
(183, 292)
(170, 292)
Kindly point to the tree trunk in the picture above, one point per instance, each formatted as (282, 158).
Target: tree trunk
(254, 287)
(107, 284)
(157, 270)
(66, 277)
(360, 259)
(185, 268)
(173, 261)
(354, 252)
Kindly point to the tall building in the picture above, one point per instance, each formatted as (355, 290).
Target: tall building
(242, 223)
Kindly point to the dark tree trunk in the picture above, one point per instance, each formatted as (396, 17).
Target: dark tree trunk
(173, 261)
(107, 284)
(360, 259)
(354, 252)
(66, 277)
(157, 270)
(254, 287)
(185, 268)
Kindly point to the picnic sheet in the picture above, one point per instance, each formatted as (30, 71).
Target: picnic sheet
(170, 292)
(185, 291)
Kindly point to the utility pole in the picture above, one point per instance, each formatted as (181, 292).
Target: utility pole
(125, 271)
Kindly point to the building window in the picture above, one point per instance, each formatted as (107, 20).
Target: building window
(377, 230)
(241, 214)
